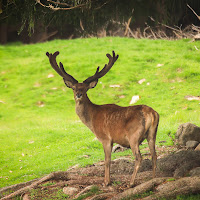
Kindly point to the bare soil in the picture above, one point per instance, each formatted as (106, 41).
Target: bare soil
(175, 175)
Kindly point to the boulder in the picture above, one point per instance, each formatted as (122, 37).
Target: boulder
(195, 172)
(191, 144)
(187, 132)
(118, 148)
(179, 164)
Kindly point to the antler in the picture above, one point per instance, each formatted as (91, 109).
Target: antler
(106, 68)
(60, 70)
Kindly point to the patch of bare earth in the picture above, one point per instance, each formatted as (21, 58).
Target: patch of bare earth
(178, 172)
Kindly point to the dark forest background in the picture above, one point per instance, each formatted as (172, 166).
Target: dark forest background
(32, 21)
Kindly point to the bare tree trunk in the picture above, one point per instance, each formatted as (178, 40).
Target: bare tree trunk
(3, 33)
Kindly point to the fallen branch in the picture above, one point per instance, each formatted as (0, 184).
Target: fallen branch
(152, 33)
(127, 26)
(188, 32)
(129, 30)
(174, 29)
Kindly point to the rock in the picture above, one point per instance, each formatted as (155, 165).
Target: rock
(141, 81)
(195, 172)
(179, 164)
(134, 99)
(114, 86)
(159, 65)
(40, 104)
(118, 148)
(50, 76)
(187, 132)
(190, 98)
(70, 190)
(197, 148)
(191, 144)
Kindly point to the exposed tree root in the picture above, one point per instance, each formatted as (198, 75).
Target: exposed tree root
(169, 189)
(139, 189)
(83, 179)
(103, 196)
(183, 186)
(54, 175)
(84, 191)
(16, 186)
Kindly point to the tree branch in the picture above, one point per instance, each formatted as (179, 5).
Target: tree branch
(193, 12)
(58, 3)
(50, 6)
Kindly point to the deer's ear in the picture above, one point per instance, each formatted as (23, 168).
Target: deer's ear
(93, 84)
(68, 84)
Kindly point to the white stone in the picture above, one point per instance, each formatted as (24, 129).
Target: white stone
(191, 144)
(70, 190)
(142, 81)
(134, 99)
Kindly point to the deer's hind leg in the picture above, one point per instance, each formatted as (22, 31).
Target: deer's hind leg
(134, 144)
(151, 138)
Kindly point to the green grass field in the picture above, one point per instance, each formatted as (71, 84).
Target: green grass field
(39, 130)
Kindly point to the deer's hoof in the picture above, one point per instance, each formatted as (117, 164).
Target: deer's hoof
(106, 183)
(131, 185)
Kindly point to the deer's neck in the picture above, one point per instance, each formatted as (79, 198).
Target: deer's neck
(85, 109)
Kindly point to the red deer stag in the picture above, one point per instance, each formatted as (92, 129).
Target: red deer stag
(127, 126)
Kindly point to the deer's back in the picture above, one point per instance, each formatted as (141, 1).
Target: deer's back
(114, 122)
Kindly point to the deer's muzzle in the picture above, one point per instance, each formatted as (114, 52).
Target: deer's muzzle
(78, 96)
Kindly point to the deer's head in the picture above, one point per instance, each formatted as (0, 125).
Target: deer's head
(80, 89)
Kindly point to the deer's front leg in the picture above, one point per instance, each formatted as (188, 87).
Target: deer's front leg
(107, 146)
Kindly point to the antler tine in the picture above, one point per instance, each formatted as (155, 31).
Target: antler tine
(107, 67)
(52, 60)
(60, 70)
(92, 78)
(67, 76)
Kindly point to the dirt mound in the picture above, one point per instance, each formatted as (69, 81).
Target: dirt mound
(177, 173)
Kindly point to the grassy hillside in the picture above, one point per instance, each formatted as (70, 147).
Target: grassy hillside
(39, 130)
